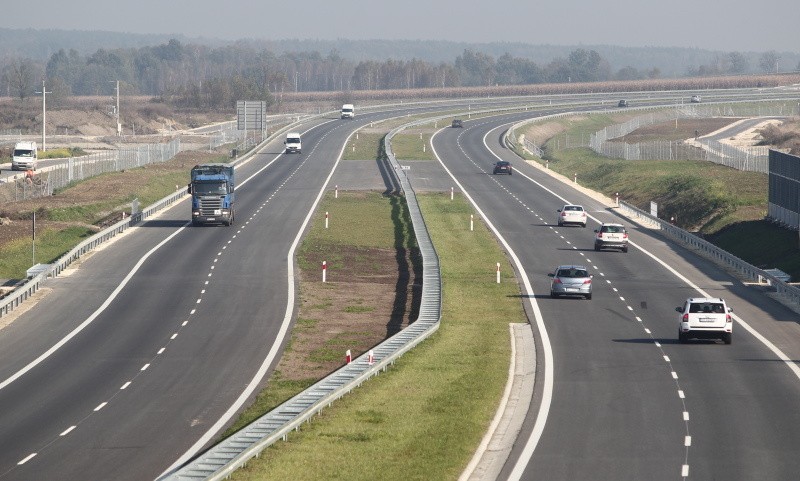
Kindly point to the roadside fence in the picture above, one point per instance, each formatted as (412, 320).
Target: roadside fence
(44, 182)
(754, 159)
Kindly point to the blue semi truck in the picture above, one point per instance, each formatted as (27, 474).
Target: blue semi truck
(212, 190)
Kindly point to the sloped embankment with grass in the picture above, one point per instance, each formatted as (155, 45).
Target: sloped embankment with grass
(724, 205)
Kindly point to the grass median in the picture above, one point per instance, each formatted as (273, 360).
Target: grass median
(424, 417)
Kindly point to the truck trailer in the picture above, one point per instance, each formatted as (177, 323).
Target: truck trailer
(212, 191)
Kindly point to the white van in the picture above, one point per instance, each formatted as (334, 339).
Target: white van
(24, 156)
(348, 112)
(293, 143)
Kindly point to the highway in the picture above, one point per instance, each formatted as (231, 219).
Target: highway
(146, 351)
(195, 322)
(626, 400)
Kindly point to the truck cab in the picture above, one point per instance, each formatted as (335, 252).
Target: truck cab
(293, 143)
(24, 156)
(348, 111)
(212, 190)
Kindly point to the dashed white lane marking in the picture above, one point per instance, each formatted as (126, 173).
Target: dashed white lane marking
(161, 351)
(144, 368)
(125, 386)
(26, 459)
(68, 430)
(100, 406)
(687, 441)
(685, 470)
(686, 415)
(174, 336)
(681, 394)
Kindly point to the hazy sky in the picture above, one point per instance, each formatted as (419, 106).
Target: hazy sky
(707, 24)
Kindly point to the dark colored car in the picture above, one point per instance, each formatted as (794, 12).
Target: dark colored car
(457, 123)
(502, 167)
(623, 103)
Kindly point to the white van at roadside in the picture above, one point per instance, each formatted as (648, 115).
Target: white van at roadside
(293, 143)
(24, 156)
(348, 111)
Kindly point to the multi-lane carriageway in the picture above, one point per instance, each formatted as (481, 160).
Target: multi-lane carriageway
(126, 364)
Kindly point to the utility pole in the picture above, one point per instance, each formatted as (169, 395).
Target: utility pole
(116, 112)
(44, 93)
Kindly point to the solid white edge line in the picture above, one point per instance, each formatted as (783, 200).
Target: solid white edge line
(287, 320)
(498, 416)
(547, 352)
(94, 315)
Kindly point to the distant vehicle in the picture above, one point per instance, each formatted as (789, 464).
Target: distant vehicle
(623, 103)
(705, 318)
(611, 236)
(571, 280)
(572, 214)
(24, 156)
(293, 143)
(348, 111)
(502, 167)
(212, 190)
(457, 123)
(695, 99)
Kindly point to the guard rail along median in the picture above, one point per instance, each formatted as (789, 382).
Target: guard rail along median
(788, 293)
(221, 460)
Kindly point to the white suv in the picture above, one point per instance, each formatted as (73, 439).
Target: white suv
(705, 318)
(611, 236)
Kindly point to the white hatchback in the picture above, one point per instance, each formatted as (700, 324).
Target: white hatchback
(572, 214)
(705, 318)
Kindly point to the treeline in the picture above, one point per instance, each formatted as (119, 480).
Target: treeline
(200, 76)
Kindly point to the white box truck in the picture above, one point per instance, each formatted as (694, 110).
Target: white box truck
(24, 156)
(293, 143)
(348, 112)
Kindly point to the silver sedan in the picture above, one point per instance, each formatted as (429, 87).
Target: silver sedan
(571, 280)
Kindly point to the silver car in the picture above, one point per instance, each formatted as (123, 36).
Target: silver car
(571, 280)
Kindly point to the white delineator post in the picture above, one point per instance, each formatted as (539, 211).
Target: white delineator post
(324, 270)
(451, 193)
(326, 219)
(371, 358)
(471, 222)
(498, 273)
(348, 357)
(336, 193)
(617, 199)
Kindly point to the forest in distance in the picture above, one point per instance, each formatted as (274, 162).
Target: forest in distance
(203, 75)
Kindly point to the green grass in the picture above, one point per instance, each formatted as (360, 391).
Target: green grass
(51, 244)
(424, 417)
(365, 147)
(724, 204)
(410, 147)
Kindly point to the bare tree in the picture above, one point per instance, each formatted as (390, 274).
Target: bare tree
(769, 61)
(20, 79)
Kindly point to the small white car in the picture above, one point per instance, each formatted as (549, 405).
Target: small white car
(695, 99)
(705, 318)
(611, 236)
(572, 214)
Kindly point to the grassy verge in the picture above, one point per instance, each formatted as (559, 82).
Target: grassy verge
(725, 205)
(16, 257)
(423, 418)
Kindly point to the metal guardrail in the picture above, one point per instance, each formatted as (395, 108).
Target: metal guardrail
(788, 293)
(221, 460)
(22, 293)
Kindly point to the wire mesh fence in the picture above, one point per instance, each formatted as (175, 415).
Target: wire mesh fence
(753, 159)
(74, 169)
